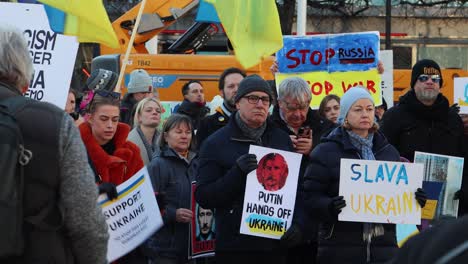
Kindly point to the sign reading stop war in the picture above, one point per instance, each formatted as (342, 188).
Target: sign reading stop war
(332, 63)
(380, 191)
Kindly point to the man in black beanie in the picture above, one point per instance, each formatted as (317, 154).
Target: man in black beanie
(423, 121)
(225, 162)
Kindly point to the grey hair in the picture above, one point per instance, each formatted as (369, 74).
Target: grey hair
(16, 67)
(295, 87)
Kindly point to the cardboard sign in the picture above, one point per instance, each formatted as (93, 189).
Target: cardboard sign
(53, 55)
(203, 231)
(131, 218)
(323, 84)
(460, 93)
(447, 170)
(270, 193)
(386, 57)
(380, 191)
(332, 63)
(329, 53)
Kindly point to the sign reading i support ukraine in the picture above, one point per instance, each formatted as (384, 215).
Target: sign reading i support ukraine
(270, 193)
(132, 217)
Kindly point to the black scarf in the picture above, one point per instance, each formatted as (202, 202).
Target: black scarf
(252, 133)
(438, 111)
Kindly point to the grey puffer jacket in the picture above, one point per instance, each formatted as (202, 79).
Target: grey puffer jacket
(168, 172)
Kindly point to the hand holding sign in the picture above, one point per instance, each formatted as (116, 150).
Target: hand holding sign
(183, 215)
(421, 197)
(247, 163)
(337, 203)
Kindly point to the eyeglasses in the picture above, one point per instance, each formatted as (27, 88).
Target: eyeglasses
(293, 107)
(253, 99)
(425, 78)
(105, 93)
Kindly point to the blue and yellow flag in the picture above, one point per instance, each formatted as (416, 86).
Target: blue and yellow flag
(253, 27)
(85, 19)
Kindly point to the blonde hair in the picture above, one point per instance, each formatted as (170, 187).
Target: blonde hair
(140, 107)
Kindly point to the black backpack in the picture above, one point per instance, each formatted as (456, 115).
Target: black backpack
(13, 156)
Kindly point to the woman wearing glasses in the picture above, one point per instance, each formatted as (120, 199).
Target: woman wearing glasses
(168, 171)
(357, 137)
(145, 133)
(112, 157)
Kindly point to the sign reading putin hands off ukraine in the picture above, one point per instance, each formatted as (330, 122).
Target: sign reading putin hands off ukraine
(270, 193)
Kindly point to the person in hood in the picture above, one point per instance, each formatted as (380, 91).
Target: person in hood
(423, 121)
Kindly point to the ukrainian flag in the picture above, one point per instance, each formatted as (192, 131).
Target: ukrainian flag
(253, 27)
(85, 19)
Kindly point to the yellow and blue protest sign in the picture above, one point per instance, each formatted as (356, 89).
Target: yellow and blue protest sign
(380, 191)
(332, 63)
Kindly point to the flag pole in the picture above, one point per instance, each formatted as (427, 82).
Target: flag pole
(129, 47)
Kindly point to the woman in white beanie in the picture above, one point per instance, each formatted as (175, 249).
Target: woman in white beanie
(357, 137)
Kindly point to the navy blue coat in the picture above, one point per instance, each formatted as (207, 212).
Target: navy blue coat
(342, 242)
(221, 184)
(169, 175)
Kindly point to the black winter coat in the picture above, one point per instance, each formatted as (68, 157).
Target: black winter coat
(221, 185)
(168, 172)
(412, 126)
(211, 124)
(342, 242)
(195, 111)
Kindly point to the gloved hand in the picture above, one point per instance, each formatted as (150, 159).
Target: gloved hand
(421, 197)
(336, 205)
(455, 107)
(458, 195)
(292, 237)
(247, 163)
(108, 188)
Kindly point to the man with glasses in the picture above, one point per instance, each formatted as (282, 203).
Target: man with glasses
(423, 120)
(305, 127)
(224, 164)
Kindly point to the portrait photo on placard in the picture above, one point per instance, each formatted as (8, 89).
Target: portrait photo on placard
(272, 172)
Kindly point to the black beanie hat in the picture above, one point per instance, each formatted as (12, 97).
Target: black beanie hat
(425, 66)
(102, 79)
(253, 83)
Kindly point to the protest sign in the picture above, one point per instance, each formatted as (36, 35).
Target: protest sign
(380, 191)
(270, 193)
(449, 171)
(53, 55)
(332, 63)
(203, 229)
(433, 191)
(460, 93)
(386, 57)
(133, 217)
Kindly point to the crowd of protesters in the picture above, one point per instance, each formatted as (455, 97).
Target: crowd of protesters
(103, 142)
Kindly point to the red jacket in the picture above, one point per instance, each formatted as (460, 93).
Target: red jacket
(120, 166)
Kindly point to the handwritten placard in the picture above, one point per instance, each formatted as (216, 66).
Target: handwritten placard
(380, 191)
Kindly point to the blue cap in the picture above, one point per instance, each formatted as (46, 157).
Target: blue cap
(349, 98)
